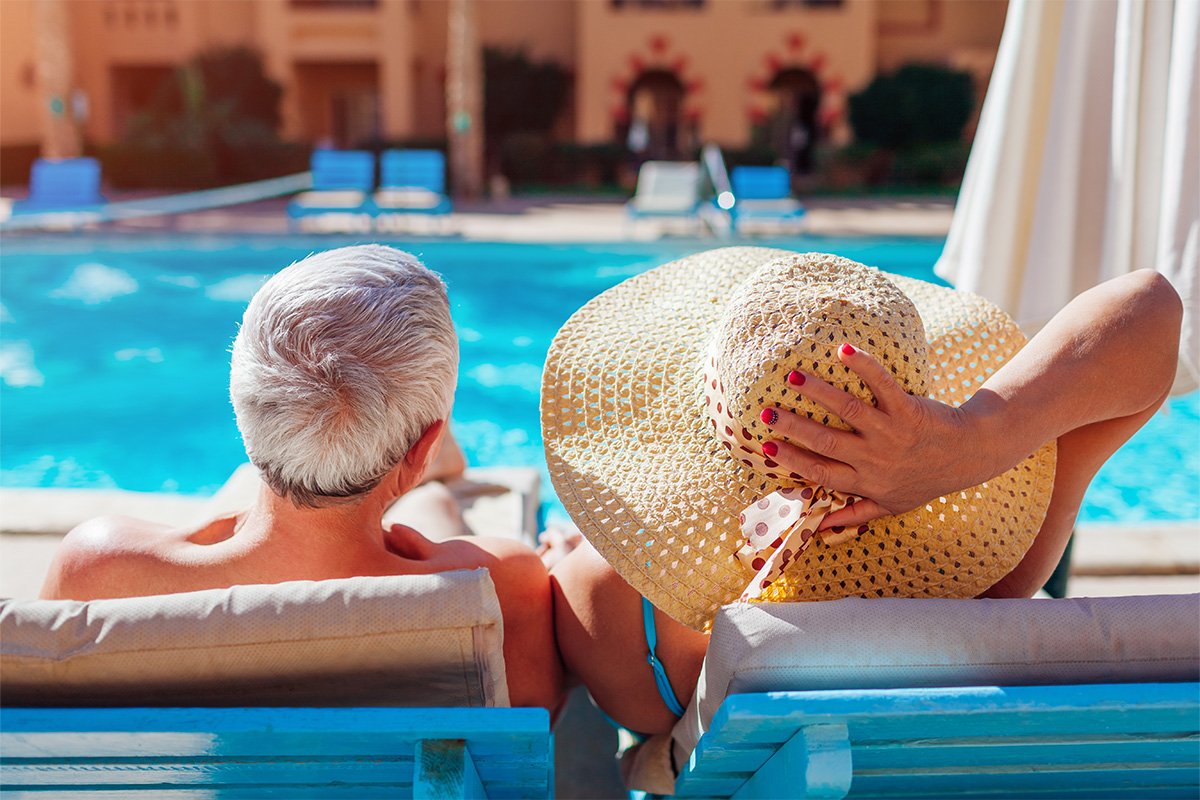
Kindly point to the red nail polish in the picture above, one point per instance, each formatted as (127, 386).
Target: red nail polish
(769, 416)
(770, 448)
(847, 350)
(796, 378)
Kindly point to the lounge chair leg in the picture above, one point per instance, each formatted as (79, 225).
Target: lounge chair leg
(443, 768)
(816, 761)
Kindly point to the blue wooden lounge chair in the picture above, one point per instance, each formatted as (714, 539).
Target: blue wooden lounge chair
(342, 181)
(667, 190)
(763, 194)
(69, 184)
(368, 687)
(1110, 740)
(410, 182)
(289, 753)
(1080, 697)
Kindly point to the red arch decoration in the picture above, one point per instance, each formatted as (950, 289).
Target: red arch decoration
(658, 53)
(795, 54)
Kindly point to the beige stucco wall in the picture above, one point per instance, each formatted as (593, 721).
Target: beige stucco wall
(19, 119)
(724, 54)
(345, 41)
(958, 33)
(543, 29)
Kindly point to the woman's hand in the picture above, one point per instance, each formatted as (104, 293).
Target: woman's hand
(899, 455)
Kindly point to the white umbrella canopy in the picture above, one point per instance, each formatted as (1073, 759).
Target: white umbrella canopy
(1086, 161)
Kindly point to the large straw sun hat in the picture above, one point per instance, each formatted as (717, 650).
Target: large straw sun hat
(651, 403)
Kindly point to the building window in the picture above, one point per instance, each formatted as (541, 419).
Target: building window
(145, 13)
(334, 4)
(657, 5)
(779, 5)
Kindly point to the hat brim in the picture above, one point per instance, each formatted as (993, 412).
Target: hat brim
(633, 459)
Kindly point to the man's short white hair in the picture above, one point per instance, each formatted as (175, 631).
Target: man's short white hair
(343, 360)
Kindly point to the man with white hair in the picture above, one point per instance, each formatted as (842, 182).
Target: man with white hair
(342, 379)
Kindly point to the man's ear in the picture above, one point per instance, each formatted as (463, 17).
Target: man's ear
(421, 454)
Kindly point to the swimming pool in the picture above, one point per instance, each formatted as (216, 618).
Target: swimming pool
(114, 357)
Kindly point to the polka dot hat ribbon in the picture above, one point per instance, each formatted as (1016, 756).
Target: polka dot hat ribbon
(781, 525)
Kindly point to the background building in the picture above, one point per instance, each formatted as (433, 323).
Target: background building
(659, 76)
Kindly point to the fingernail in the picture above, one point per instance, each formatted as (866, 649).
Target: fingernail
(769, 416)
(796, 378)
(847, 350)
(770, 448)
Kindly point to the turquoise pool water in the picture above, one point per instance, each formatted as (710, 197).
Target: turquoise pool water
(114, 357)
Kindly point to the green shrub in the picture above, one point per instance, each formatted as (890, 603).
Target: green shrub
(137, 165)
(519, 95)
(15, 162)
(212, 122)
(529, 159)
(919, 104)
(940, 164)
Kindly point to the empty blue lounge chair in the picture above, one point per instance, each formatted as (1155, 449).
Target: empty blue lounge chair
(763, 194)
(67, 184)
(667, 190)
(411, 182)
(341, 188)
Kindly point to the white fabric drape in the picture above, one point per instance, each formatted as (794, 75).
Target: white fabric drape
(1086, 161)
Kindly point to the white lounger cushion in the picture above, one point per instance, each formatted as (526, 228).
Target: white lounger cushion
(858, 643)
(412, 640)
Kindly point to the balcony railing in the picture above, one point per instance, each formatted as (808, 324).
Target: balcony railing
(657, 5)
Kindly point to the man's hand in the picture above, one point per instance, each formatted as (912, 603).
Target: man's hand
(900, 455)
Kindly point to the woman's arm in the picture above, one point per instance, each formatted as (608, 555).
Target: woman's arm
(1091, 378)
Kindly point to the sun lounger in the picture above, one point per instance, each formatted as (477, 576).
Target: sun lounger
(1131, 740)
(363, 687)
(410, 182)
(763, 194)
(291, 753)
(342, 181)
(1043, 697)
(667, 190)
(62, 185)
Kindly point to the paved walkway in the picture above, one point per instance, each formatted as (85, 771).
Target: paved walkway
(563, 218)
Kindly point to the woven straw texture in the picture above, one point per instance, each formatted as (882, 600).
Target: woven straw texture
(633, 457)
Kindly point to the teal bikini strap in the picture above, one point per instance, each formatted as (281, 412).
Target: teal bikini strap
(660, 674)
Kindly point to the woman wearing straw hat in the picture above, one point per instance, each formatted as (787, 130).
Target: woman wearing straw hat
(754, 425)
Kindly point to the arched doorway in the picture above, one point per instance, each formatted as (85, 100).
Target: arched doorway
(655, 105)
(794, 129)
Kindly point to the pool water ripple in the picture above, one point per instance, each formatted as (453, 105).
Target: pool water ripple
(114, 357)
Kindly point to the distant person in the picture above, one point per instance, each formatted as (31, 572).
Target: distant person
(342, 380)
(756, 425)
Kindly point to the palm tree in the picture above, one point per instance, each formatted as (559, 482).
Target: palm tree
(464, 100)
(55, 71)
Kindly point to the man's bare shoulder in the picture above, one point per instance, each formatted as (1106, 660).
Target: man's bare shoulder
(104, 557)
